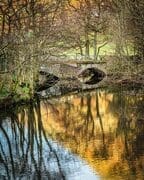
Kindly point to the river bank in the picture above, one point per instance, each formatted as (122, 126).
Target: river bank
(69, 86)
(73, 80)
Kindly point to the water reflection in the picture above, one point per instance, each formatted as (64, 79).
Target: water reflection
(26, 152)
(104, 128)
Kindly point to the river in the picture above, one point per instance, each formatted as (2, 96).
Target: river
(92, 135)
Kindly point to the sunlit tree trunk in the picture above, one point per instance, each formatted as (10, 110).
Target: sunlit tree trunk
(95, 46)
(81, 50)
(87, 46)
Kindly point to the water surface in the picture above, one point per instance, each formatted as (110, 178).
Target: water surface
(91, 135)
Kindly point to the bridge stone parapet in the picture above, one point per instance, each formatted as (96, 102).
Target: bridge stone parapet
(61, 70)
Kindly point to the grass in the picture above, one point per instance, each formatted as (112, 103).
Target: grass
(108, 50)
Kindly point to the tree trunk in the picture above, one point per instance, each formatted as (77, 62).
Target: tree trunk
(87, 46)
(95, 46)
(81, 50)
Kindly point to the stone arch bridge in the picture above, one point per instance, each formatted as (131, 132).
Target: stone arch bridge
(70, 70)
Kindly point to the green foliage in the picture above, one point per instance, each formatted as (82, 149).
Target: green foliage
(18, 92)
(4, 92)
(22, 91)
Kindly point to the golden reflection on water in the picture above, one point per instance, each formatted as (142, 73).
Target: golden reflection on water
(106, 129)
